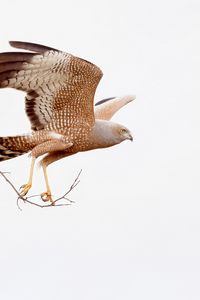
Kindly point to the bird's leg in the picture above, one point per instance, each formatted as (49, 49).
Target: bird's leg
(26, 187)
(50, 146)
(46, 147)
(47, 160)
(46, 196)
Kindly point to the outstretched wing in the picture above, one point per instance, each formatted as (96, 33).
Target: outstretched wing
(59, 86)
(106, 108)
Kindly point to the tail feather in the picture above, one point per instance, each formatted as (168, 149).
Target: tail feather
(13, 146)
(8, 154)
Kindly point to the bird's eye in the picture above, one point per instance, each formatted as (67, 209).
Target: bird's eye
(123, 130)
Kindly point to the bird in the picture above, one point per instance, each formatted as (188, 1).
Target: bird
(59, 102)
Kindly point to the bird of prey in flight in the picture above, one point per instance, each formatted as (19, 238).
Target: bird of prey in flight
(59, 103)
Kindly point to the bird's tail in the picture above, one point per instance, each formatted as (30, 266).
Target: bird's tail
(13, 146)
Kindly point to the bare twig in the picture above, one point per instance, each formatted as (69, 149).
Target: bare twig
(52, 204)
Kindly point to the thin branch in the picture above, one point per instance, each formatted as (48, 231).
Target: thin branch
(53, 204)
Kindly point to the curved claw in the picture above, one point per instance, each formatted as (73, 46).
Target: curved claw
(46, 196)
(22, 186)
(25, 188)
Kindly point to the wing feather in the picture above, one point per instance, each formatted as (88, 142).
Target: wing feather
(31, 46)
(15, 56)
(56, 83)
(106, 108)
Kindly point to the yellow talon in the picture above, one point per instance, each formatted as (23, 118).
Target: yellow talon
(25, 188)
(46, 196)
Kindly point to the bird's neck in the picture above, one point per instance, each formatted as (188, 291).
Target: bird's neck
(101, 135)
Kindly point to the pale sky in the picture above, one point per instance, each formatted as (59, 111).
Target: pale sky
(134, 229)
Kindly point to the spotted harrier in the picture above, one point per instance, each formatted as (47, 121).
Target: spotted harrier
(59, 103)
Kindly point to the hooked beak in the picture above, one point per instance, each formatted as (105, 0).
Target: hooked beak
(130, 137)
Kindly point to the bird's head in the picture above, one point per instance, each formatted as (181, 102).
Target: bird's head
(106, 134)
(122, 133)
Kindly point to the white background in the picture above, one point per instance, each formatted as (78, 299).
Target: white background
(134, 231)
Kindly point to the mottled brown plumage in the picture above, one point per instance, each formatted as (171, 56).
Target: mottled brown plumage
(60, 91)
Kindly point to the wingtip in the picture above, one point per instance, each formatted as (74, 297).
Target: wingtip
(17, 44)
(30, 46)
(129, 98)
(14, 43)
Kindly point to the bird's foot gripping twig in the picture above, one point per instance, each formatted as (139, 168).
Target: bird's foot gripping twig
(24, 189)
(61, 201)
(47, 197)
